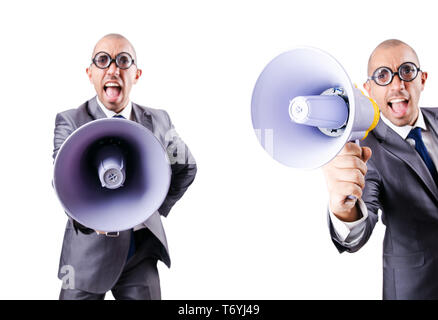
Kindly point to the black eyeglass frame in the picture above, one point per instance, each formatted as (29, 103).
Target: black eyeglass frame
(373, 77)
(111, 60)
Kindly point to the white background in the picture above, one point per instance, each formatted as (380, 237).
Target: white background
(249, 227)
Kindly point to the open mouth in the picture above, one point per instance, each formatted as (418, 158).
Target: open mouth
(112, 90)
(399, 106)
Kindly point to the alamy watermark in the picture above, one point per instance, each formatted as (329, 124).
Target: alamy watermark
(68, 280)
(177, 151)
(266, 139)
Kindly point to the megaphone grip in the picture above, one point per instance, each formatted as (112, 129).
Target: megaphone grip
(351, 197)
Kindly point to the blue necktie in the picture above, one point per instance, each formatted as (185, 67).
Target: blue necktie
(131, 246)
(132, 241)
(421, 149)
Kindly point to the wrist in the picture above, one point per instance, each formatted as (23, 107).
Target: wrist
(349, 216)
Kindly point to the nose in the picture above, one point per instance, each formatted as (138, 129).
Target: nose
(397, 83)
(113, 69)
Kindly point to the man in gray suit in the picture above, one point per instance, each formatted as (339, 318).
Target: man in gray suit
(399, 178)
(93, 262)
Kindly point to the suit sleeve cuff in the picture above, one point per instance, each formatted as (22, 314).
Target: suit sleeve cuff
(351, 230)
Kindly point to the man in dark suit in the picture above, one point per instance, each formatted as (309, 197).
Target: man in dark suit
(93, 262)
(399, 178)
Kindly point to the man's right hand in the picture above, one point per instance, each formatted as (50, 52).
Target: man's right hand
(345, 176)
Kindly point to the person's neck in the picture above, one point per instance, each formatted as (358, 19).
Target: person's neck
(109, 112)
(115, 108)
(414, 121)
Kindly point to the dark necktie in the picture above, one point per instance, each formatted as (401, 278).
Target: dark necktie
(131, 246)
(132, 241)
(421, 149)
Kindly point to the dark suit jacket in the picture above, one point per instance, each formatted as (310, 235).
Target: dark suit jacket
(399, 183)
(98, 260)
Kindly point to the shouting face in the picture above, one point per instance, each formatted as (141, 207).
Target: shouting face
(113, 84)
(398, 100)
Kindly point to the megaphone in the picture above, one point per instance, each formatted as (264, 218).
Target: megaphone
(305, 109)
(111, 174)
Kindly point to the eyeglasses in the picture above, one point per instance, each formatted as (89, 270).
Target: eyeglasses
(383, 76)
(103, 60)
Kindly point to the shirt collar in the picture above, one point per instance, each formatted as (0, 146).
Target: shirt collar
(126, 112)
(403, 131)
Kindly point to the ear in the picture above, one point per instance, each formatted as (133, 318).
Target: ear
(367, 87)
(423, 79)
(137, 75)
(88, 70)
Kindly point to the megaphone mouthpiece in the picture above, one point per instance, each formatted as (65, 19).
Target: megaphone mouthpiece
(319, 111)
(110, 166)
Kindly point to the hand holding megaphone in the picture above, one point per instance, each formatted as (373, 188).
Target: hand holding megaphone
(345, 177)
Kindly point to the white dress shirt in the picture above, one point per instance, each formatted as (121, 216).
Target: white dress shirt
(127, 114)
(355, 230)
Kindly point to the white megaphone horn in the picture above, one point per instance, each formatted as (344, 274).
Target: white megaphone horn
(111, 174)
(305, 109)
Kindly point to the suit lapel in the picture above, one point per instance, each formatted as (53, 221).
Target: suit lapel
(431, 120)
(143, 117)
(400, 148)
(94, 110)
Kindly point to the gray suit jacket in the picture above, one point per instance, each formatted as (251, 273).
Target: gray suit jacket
(98, 260)
(399, 183)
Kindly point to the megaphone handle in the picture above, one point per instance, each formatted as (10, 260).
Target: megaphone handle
(351, 197)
